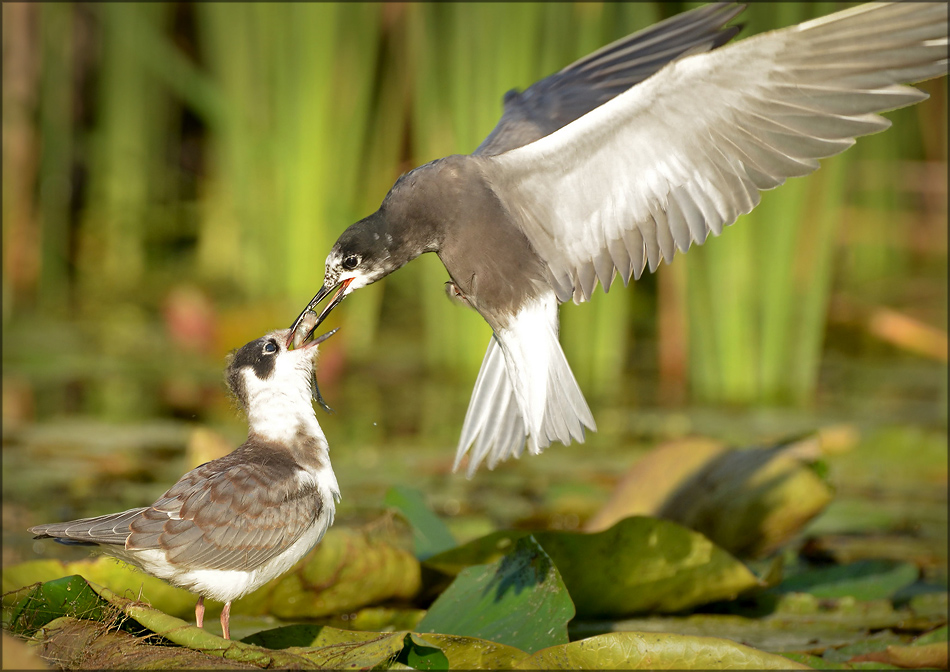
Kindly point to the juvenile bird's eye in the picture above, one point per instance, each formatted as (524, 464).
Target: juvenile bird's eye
(270, 347)
(350, 262)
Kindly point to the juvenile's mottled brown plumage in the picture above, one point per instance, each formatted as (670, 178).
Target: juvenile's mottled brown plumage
(232, 524)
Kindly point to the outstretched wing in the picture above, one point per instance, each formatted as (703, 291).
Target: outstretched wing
(688, 150)
(559, 99)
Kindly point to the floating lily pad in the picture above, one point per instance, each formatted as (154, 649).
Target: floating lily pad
(116, 575)
(929, 656)
(749, 502)
(348, 570)
(471, 653)
(68, 596)
(862, 580)
(639, 565)
(652, 651)
(933, 637)
(420, 656)
(518, 600)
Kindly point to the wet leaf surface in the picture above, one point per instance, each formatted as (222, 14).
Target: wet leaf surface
(639, 565)
(105, 571)
(635, 650)
(518, 600)
(868, 575)
(749, 502)
(863, 580)
(419, 656)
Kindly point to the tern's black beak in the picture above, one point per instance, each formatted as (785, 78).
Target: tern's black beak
(308, 320)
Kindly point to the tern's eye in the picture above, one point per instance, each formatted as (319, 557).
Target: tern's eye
(351, 261)
(270, 348)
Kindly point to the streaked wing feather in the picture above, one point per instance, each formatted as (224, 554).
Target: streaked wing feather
(229, 515)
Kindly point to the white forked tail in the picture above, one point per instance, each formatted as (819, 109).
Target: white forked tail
(525, 391)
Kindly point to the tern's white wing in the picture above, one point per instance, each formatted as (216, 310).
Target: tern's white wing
(687, 151)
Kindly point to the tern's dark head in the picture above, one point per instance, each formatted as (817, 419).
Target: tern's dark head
(267, 366)
(413, 218)
(410, 221)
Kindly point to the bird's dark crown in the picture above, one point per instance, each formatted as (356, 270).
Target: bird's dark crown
(411, 220)
(259, 356)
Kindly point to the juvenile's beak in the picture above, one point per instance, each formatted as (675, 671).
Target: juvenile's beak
(304, 323)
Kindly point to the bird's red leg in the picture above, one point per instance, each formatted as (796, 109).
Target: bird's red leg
(200, 611)
(226, 620)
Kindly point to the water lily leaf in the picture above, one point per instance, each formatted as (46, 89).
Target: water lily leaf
(648, 483)
(518, 600)
(419, 656)
(870, 643)
(863, 580)
(330, 648)
(815, 662)
(639, 565)
(774, 634)
(368, 621)
(927, 656)
(749, 502)
(116, 575)
(472, 653)
(938, 635)
(430, 534)
(68, 596)
(637, 650)
(461, 652)
(306, 635)
(349, 569)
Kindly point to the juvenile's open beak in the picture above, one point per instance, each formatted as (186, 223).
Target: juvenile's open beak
(305, 323)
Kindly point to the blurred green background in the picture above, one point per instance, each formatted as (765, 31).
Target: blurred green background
(174, 174)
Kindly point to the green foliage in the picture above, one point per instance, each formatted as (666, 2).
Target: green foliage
(864, 580)
(430, 535)
(506, 600)
(518, 600)
(638, 651)
(67, 596)
(227, 147)
(643, 564)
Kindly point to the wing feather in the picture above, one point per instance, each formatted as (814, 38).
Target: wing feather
(229, 514)
(689, 149)
(559, 99)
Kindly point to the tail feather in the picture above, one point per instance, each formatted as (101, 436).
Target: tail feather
(493, 421)
(109, 529)
(525, 390)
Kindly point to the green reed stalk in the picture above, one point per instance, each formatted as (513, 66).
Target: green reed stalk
(56, 129)
(756, 322)
(378, 168)
(125, 156)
